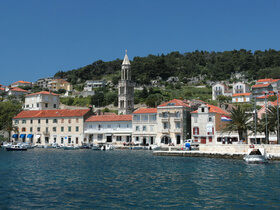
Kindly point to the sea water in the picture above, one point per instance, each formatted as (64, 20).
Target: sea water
(128, 179)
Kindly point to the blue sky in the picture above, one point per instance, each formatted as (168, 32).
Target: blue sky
(40, 37)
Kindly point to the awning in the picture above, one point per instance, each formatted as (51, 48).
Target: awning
(30, 136)
(108, 134)
(15, 136)
(22, 135)
(38, 136)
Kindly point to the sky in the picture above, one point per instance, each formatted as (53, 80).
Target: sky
(41, 37)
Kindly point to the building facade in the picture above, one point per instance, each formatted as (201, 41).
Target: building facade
(173, 122)
(126, 89)
(46, 127)
(43, 100)
(219, 89)
(116, 129)
(144, 125)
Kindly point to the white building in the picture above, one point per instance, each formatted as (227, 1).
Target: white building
(173, 122)
(219, 89)
(240, 87)
(242, 97)
(116, 129)
(145, 126)
(44, 100)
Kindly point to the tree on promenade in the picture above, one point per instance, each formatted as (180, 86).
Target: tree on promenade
(240, 122)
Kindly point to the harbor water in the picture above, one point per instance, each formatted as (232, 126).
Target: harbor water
(128, 179)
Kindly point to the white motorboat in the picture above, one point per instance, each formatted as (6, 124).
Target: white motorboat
(257, 156)
(107, 147)
(5, 145)
(16, 148)
(154, 147)
(96, 147)
(70, 147)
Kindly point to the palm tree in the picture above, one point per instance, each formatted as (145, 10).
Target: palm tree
(240, 122)
(9, 128)
(272, 121)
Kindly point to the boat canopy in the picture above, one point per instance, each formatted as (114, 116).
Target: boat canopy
(30, 136)
(22, 135)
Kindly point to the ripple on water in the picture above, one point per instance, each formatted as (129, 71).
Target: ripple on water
(49, 178)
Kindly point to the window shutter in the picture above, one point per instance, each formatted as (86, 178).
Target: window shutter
(197, 130)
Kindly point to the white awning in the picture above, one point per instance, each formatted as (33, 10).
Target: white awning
(122, 134)
(37, 136)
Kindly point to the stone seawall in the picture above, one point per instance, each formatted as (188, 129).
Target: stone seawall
(222, 151)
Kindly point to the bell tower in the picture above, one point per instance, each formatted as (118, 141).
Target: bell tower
(126, 88)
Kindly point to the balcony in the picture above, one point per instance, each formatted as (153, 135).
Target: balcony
(164, 119)
(165, 130)
(178, 130)
(46, 133)
(177, 119)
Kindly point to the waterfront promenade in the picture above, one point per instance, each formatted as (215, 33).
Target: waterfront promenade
(220, 151)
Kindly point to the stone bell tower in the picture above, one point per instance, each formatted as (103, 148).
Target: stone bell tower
(126, 88)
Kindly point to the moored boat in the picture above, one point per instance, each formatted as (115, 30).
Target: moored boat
(16, 148)
(257, 156)
(70, 147)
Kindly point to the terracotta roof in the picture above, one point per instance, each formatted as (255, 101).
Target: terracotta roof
(16, 89)
(2, 88)
(108, 118)
(274, 80)
(174, 102)
(214, 109)
(260, 85)
(241, 94)
(43, 93)
(52, 113)
(264, 80)
(146, 111)
(22, 82)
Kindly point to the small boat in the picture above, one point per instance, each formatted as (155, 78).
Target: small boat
(96, 147)
(154, 147)
(107, 147)
(16, 148)
(257, 156)
(5, 145)
(137, 147)
(70, 147)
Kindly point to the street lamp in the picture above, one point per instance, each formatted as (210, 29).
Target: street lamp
(266, 140)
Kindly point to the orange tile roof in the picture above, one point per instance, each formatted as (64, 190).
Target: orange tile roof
(174, 102)
(214, 109)
(260, 85)
(22, 82)
(241, 94)
(52, 113)
(264, 80)
(274, 80)
(109, 118)
(2, 88)
(16, 89)
(146, 111)
(43, 93)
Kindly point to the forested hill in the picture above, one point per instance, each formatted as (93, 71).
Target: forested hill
(214, 66)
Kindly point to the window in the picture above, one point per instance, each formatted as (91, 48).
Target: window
(69, 139)
(165, 125)
(99, 137)
(195, 130)
(151, 128)
(202, 109)
(23, 129)
(31, 121)
(136, 138)
(54, 129)
(62, 120)
(69, 129)
(47, 129)
(178, 125)
(16, 121)
(137, 128)
(164, 114)
(31, 129)
(47, 121)
(54, 120)
(23, 121)
(210, 119)
(99, 127)
(145, 118)
(109, 126)
(61, 140)
(144, 128)
(119, 138)
(37, 105)
(136, 118)
(62, 129)
(38, 129)
(178, 114)
(195, 120)
(77, 120)
(77, 140)
(46, 105)
(69, 120)
(54, 106)
(77, 128)
(39, 121)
